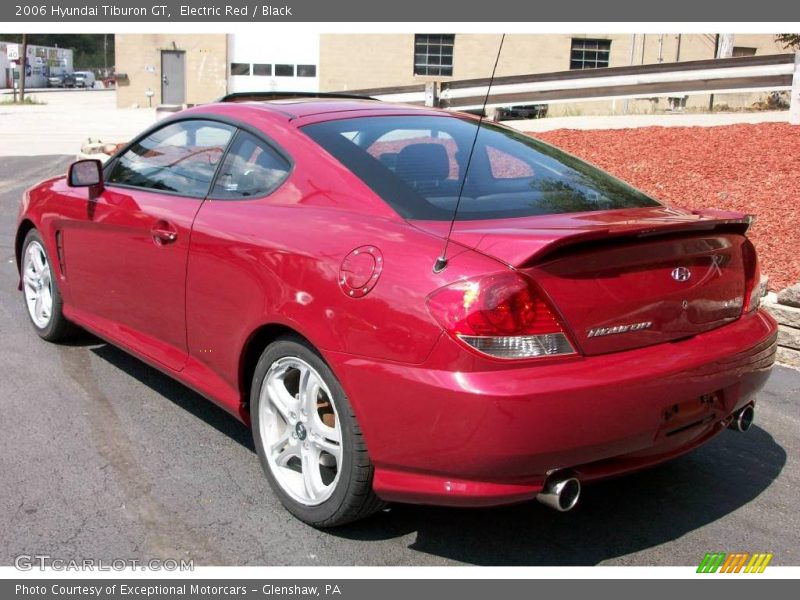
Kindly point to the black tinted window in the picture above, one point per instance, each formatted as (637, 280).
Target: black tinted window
(251, 169)
(181, 158)
(417, 164)
(306, 70)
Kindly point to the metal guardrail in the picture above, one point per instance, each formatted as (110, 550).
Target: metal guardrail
(776, 72)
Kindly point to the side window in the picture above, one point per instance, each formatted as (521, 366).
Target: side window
(251, 169)
(506, 166)
(181, 157)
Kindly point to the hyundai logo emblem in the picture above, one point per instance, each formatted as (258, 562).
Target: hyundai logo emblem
(681, 274)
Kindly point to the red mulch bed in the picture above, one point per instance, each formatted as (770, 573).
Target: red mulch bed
(749, 168)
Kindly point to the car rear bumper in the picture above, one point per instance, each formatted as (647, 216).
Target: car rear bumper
(491, 434)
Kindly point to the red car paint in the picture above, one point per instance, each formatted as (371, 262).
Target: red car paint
(443, 424)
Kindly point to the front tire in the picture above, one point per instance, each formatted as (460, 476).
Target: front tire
(42, 297)
(307, 437)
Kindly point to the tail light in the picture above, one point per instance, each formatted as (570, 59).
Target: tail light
(753, 290)
(500, 315)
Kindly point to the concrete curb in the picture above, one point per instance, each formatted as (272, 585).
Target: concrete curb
(10, 92)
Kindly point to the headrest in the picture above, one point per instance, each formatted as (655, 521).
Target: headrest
(423, 162)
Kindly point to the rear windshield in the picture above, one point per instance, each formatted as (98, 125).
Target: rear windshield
(417, 163)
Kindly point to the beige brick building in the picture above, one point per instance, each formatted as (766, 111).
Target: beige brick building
(350, 62)
(214, 64)
(141, 57)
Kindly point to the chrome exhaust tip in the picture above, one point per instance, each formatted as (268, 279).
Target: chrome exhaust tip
(560, 494)
(743, 420)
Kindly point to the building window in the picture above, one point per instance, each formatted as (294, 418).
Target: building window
(284, 70)
(306, 70)
(240, 68)
(433, 54)
(589, 54)
(261, 69)
(743, 51)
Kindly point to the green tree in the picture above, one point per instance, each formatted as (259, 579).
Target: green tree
(789, 40)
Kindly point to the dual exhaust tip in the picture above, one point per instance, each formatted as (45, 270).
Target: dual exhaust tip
(562, 493)
(743, 419)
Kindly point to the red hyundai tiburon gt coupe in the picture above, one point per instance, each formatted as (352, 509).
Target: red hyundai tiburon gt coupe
(280, 257)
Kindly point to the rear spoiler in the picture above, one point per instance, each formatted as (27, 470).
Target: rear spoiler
(596, 237)
(523, 247)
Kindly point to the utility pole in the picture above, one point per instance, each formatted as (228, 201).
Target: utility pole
(105, 55)
(716, 55)
(726, 41)
(23, 68)
(644, 43)
(632, 58)
(723, 48)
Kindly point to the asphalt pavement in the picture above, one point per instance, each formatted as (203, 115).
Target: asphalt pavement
(104, 457)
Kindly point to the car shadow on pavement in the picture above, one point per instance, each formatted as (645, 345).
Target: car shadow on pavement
(177, 393)
(614, 518)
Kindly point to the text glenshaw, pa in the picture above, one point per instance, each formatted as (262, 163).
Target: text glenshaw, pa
(159, 10)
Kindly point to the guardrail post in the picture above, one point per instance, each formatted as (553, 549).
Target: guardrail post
(431, 93)
(794, 100)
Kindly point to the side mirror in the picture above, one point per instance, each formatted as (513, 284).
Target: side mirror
(85, 173)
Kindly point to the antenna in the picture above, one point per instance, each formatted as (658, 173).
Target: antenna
(441, 262)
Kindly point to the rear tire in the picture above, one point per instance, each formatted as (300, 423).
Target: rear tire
(307, 437)
(42, 297)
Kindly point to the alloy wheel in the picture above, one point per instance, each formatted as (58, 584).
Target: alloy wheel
(38, 285)
(300, 431)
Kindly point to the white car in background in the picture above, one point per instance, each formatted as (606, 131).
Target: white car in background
(84, 79)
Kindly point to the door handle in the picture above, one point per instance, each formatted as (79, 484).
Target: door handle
(164, 233)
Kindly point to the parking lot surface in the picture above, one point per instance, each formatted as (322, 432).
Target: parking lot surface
(65, 120)
(103, 457)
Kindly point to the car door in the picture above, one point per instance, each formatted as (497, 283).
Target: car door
(232, 243)
(126, 254)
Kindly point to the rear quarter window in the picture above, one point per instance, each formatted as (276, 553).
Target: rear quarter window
(251, 169)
